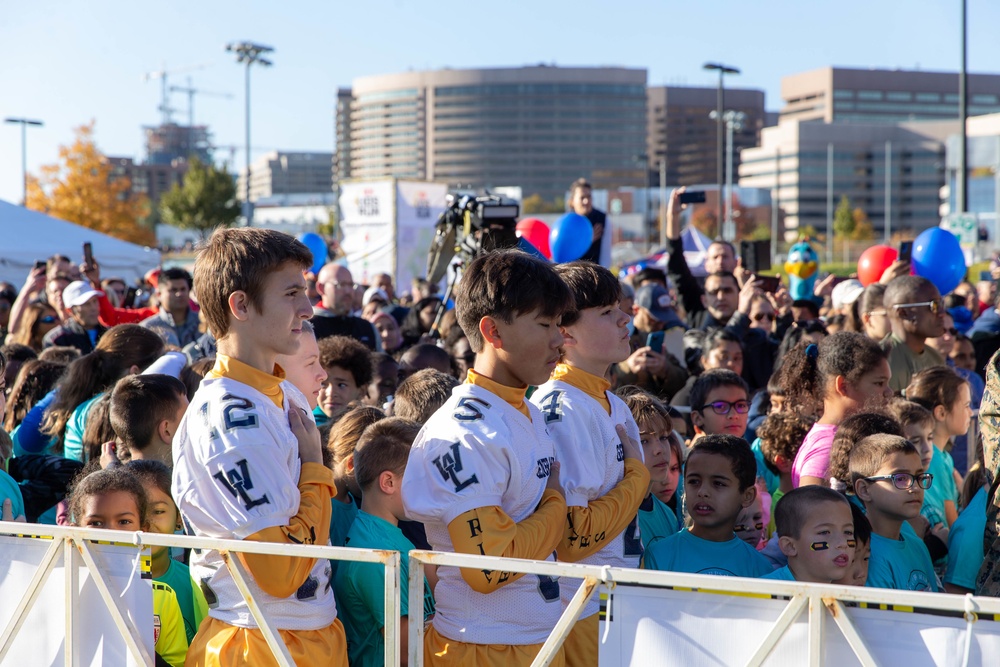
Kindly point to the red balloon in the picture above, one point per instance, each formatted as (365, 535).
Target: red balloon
(536, 233)
(873, 263)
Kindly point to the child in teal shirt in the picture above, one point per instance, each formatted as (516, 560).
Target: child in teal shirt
(663, 456)
(719, 481)
(965, 546)
(379, 464)
(816, 530)
(889, 478)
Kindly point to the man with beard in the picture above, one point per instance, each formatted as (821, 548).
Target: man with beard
(916, 313)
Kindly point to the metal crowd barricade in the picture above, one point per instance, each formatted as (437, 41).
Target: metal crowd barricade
(73, 542)
(809, 598)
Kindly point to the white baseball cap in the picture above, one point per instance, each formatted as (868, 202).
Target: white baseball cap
(78, 293)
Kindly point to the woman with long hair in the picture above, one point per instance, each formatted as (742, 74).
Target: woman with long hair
(38, 319)
(124, 350)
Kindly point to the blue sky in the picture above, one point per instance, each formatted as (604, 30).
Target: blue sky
(69, 62)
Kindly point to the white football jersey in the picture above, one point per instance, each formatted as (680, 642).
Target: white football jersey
(236, 472)
(591, 462)
(479, 451)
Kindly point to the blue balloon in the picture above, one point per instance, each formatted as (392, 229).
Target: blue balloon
(570, 237)
(937, 256)
(317, 246)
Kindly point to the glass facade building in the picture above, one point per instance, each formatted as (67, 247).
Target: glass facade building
(539, 128)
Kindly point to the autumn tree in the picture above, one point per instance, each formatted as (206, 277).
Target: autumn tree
(83, 188)
(206, 200)
(535, 204)
(863, 230)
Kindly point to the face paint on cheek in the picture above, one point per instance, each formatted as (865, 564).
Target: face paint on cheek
(851, 544)
(819, 546)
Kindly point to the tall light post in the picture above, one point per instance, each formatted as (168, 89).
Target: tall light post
(249, 53)
(962, 182)
(719, 106)
(734, 121)
(24, 123)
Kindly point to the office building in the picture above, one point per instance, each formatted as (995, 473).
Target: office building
(836, 94)
(682, 133)
(278, 173)
(538, 127)
(792, 161)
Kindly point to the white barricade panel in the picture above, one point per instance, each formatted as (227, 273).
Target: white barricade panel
(666, 626)
(97, 641)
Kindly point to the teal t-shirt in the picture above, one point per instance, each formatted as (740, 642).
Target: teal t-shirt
(319, 416)
(684, 552)
(73, 438)
(656, 520)
(178, 577)
(340, 523)
(10, 489)
(902, 565)
(770, 478)
(360, 593)
(942, 488)
(781, 574)
(965, 543)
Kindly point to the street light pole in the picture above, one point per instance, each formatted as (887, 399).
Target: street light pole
(249, 53)
(962, 182)
(24, 123)
(720, 102)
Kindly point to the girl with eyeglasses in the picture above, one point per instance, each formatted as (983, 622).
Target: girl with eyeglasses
(942, 391)
(848, 372)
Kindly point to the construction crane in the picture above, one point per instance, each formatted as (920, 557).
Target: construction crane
(163, 75)
(191, 92)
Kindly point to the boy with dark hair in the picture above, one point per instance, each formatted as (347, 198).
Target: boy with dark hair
(348, 366)
(596, 441)
(379, 466)
(248, 460)
(889, 479)
(816, 531)
(145, 412)
(857, 574)
(384, 382)
(720, 403)
(719, 482)
(420, 395)
(482, 475)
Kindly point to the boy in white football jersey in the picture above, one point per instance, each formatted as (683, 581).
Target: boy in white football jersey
(248, 459)
(596, 440)
(481, 474)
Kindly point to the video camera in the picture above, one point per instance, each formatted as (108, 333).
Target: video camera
(471, 225)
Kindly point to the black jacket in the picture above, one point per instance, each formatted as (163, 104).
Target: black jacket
(72, 334)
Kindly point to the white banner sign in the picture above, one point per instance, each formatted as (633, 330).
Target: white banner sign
(418, 206)
(368, 218)
(97, 642)
(677, 627)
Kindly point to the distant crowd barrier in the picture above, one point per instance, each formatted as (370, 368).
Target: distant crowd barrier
(71, 597)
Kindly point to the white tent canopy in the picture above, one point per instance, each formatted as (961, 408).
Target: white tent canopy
(27, 236)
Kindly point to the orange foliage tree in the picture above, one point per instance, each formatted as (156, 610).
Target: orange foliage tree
(83, 188)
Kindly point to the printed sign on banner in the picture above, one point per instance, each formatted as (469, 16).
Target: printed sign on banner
(388, 227)
(97, 641)
(367, 219)
(698, 628)
(418, 206)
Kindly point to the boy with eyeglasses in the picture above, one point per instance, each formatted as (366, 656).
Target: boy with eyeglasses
(916, 313)
(719, 404)
(888, 477)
